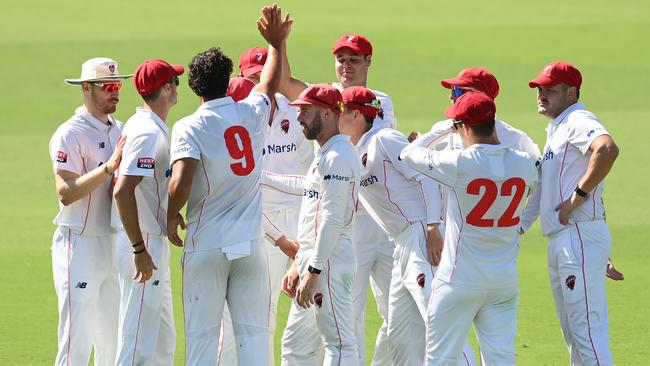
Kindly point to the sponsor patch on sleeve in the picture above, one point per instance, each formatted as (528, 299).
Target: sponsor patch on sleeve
(146, 163)
(61, 157)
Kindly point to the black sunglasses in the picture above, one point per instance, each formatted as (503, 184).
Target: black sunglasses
(174, 80)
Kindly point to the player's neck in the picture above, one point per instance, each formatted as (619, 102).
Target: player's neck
(160, 109)
(102, 117)
(360, 128)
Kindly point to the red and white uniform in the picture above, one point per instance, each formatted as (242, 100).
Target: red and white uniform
(224, 256)
(285, 151)
(146, 333)
(83, 256)
(477, 276)
(330, 191)
(578, 252)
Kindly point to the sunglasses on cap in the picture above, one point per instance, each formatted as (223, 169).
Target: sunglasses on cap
(457, 123)
(174, 80)
(109, 87)
(457, 91)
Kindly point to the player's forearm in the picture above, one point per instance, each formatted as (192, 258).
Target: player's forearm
(127, 208)
(179, 193)
(73, 188)
(432, 199)
(291, 184)
(600, 163)
(531, 212)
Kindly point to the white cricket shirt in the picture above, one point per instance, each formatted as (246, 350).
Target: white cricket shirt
(225, 203)
(285, 151)
(392, 192)
(329, 198)
(564, 162)
(80, 145)
(146, 154)
(489, 184)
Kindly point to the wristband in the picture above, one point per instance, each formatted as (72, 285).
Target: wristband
(138, 243)
(580, 192)
(106, 169)
(139, 251)
(313, 270)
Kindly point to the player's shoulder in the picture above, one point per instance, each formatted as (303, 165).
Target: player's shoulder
(140, 124)
(75, 126)
(388, 136)
(579, 116)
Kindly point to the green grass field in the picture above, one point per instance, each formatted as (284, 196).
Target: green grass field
(416, 43)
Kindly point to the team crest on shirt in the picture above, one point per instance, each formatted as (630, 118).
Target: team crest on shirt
(421, 280)
(111, 68)
(284, 126)
(146, 163)
(364, 159)
(61, 157)
(318, 299)
(570, 282)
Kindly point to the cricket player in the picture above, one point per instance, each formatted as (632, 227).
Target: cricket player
(477, 276)
(85, 151)
(216, 165)
(146, 333)
(352, 61)
(578, 155)
(325, 262)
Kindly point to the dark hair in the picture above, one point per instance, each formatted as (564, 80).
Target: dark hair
(209, 73)
(152, 96)
(484, 129)
(369, 120)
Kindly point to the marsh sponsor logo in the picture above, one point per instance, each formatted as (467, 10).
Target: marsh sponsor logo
(549, 155)
(336, 177)
(146, 163)
(370, 180)
(278, 149)
(310, 193)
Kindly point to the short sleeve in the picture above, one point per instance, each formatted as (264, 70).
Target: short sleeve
(584, 129)
(139, 155)
(184, 143)
(65, 153)
(260, 105)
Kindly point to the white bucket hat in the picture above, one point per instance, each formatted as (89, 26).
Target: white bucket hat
(99, 68)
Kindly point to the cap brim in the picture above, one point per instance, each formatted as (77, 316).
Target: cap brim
(449, 83)
(108, 78)
(180, 69)
(542, 81)
(354, 49)
(299, 102)
(252, 70)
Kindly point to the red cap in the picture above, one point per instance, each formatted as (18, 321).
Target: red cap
(556, 73)
(472, 109)
(361, 99)
(152, 74)
(356, 42)
(322, 95)
(477, 78)
(239, 88)
(252, 61)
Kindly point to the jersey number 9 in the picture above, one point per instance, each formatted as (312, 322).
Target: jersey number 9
(238, 142)
(507, 219)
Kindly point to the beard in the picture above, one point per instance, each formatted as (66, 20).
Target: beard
(106, 105)
(312, 131)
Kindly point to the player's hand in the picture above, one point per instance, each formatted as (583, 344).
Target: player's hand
(290, 281)
(287, 246)
(435, 243)
(306, 290)
(612, 272)
(144, 267)
(413, 136)
(114, 161)
(272, 27)
(565, 208)
(172, 229)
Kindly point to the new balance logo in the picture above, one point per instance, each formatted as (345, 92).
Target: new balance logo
(81, 285)
(156, 282)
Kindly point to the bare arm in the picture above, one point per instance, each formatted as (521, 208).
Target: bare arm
(71, 187)
(603, 154)
(180, 186)
(124, 194)
(289, 87)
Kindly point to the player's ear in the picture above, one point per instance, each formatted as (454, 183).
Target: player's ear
(85, 87)
(369, 59)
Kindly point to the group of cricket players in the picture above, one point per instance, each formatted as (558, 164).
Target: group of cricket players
(310, 190)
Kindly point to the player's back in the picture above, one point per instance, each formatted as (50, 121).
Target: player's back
(488, 193)
(224, 206)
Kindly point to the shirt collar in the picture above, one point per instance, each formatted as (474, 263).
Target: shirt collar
(573, 107)
(151, 115)
(82, 111)
(368, 135)
(214, 103)
(334, 139)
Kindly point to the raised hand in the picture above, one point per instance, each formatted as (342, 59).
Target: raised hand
(272, 27)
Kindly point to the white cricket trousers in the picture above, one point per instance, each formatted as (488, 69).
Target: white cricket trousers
(287, 221)
(210, 280)
(329, 320)
(373, 251)
(453, 308)
(85, 280)
(146, 334)
(410, 290)
(577, 261)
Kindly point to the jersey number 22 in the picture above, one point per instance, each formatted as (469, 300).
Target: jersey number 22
(508, 218)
